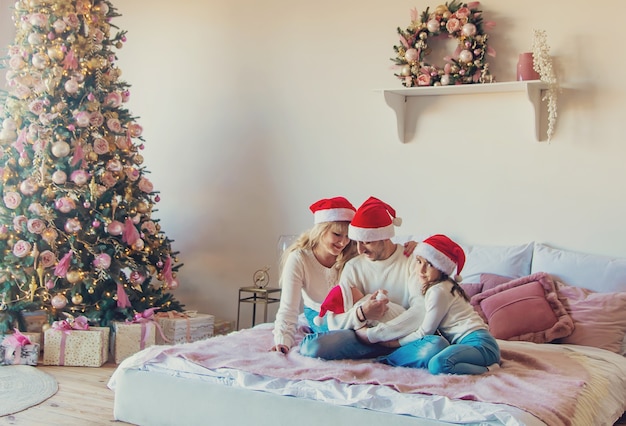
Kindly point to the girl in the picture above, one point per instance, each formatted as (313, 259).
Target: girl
(472, 349)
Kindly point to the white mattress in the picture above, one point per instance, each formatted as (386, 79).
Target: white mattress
(603, 400)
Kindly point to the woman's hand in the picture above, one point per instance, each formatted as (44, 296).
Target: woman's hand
(409, 247)
(280, 348)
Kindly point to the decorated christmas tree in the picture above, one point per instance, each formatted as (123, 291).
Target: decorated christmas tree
(77, 235)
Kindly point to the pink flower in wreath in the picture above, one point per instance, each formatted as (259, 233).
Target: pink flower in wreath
(12, 200)
(463, 12)
(453, 25)
(22, 248)
(423, 80)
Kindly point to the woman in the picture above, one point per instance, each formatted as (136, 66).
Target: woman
(311, 267)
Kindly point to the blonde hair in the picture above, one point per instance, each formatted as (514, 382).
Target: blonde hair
(311, 238)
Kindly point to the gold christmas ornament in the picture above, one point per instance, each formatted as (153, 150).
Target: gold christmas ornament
(77, 299)
(73, 276)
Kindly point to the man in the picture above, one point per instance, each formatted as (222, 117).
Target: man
(381, 266)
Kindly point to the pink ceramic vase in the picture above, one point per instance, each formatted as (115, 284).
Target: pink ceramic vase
(525, 70)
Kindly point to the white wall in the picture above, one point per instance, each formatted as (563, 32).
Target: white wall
(253, 110)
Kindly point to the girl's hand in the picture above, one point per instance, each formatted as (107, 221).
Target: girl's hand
(409, 247)
(280, 348)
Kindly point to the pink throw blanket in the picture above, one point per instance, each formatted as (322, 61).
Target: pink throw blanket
(543, 383)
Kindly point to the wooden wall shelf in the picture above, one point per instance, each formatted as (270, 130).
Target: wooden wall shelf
(397, 98)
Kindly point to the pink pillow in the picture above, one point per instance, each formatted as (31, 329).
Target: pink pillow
(490, 281)
(471, 289)
(526, 308)
(600, 318)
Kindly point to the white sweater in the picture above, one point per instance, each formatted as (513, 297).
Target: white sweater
(450, 313)
(396, 275)
(303, 281)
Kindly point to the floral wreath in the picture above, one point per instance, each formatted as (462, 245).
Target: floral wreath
(466, 65)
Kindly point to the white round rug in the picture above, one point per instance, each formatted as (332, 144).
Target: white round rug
(22, 386)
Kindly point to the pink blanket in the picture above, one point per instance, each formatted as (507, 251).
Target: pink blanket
(543, 383)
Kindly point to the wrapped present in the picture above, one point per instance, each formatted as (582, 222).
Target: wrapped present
(183, 327)
(132, 336)
(17, 348)
(34, 320)
(223, 326)
(35, 338)
(75, 344)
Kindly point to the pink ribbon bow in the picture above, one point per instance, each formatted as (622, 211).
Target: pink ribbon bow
(17, 339)
(78, 323)
(147, 319)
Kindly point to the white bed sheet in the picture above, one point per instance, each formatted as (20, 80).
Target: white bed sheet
(603, 403)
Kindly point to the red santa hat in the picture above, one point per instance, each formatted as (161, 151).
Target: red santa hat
(337, 301)
(373, 221)
(443, 253)
(332, 210)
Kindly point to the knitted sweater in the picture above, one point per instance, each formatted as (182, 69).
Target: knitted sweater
(396, 275)
(450, 313)
(303, 281)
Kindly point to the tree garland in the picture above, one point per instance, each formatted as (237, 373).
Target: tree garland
(466, 65)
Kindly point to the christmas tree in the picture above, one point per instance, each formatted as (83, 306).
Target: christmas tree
(77, 234)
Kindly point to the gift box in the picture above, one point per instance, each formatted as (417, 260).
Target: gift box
(129, 338)
(223, 326)
(18, 348)
(34, 320)
(185, 327)
(24, 355)
(80, 348)
(34, 338)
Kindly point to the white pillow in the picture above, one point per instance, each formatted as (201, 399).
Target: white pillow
(510, 261)
(599, 273)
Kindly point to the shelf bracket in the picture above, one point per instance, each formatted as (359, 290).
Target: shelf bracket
(397, 103)
(534, 93)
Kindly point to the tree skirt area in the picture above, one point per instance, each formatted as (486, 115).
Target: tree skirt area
(22, 386)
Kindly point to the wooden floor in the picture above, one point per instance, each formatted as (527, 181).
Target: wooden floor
(83, 399)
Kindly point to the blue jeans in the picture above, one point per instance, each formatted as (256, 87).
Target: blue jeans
(339, 344)
(471, 355)
(310, 315)
(417, 353)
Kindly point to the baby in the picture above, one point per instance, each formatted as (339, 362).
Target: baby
(339, 301)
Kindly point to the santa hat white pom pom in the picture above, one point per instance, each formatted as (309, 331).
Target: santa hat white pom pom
(458, 278)
(397, 221)
(318, 320)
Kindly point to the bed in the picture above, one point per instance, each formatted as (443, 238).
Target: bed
(577, 378)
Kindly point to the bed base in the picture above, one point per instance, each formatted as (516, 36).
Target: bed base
(156, 399)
